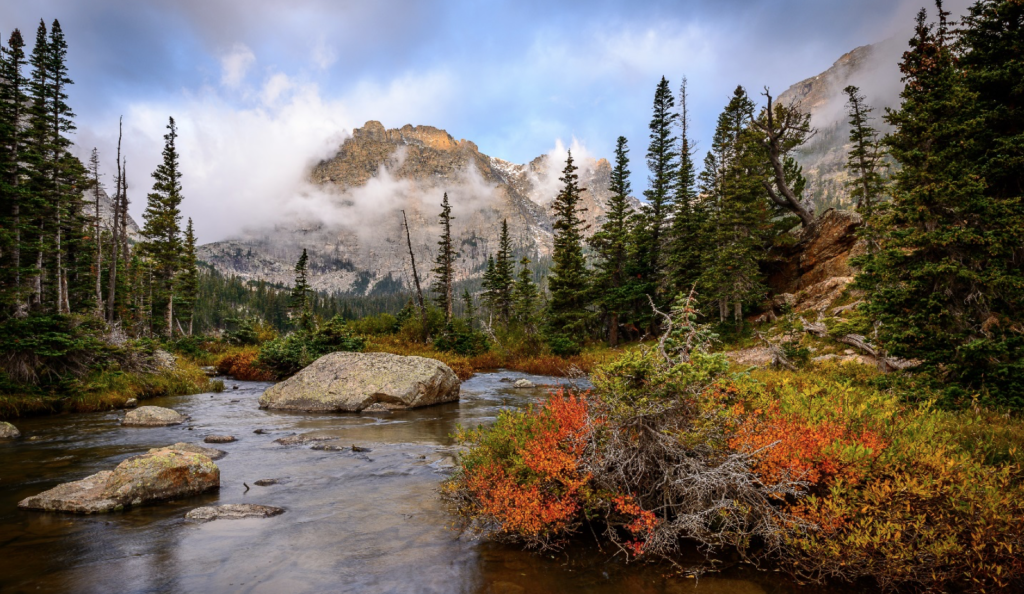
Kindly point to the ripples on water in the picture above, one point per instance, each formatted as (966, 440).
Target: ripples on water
(367, 522)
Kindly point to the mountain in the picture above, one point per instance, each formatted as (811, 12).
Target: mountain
(351, 220)
(872, 68)
(107, 212)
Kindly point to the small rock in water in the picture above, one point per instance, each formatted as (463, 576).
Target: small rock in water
(304, 438)
(152, 416)
(356, 448)
(209, 370)
(506, 380)
(8, 431)
(260, 431)
(193, 449)
(328, 447)
(233, 401)
(220, 439)
(377, 408)
(232, 511)
(523, 383)
(131, 403)
(266, 482)
(234, 387)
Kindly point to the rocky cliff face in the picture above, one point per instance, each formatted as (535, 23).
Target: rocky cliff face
(358, 245)
(107, 213)
(872, 68)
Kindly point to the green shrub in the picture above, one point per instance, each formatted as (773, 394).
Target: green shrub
(562, 345)
(378, 325)
(459, 339)
(286, 355)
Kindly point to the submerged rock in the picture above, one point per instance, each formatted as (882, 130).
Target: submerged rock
(328, 446)
(232, 511)
(8, 431)
(219, 439)
(354, 381)
(377, 408)
(191, 448)
(523, 383)
(154, 476)
(266, 482)
(152, 416)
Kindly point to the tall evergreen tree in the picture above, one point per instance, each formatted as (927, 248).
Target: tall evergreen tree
(301, 303)
(525, 298)
(662, 161)
(13, 102)
(947, 285)
(568, 317)
(162, 231)
(188, 282)
(469, 307)
(444, 271)
(97, 189)
(865, 161)
(685, 245)
(737, 214)
(615, 290)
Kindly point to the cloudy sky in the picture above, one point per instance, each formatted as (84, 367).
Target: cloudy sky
(261, 89)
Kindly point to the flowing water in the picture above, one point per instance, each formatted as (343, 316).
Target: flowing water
(355, 522)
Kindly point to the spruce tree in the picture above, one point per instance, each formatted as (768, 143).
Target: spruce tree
(499, 278)
(469, 307)
(13, 209)
(568, 318)
(865, 160)
(660, 194)
(947, 285)
(163, 232)
(97, 189)
(614, 289)
(301, 304)
(444, 271)
(685, 245)
(736, 212)
(188, 281)
(525, 298)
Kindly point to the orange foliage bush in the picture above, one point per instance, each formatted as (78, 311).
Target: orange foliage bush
(523, 479)
(243, 365)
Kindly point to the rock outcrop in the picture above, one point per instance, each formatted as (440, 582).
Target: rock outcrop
(8, 431)
(158, 475)
(232, 511)
(354, 381)
(152, 416)
(816, 270)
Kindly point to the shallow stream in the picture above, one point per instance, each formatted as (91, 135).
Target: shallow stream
(355, 522)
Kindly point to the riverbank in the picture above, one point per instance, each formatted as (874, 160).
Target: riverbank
(107, 390)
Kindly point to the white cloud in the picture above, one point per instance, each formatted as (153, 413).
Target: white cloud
(235, 65)
(275, 85)
(323, 55)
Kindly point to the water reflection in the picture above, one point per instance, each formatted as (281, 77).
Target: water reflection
(368, 522)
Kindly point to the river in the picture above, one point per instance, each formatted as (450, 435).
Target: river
(355, 522)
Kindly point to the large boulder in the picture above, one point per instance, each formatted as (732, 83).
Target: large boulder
(210, 453)
(354, 381)
(8, 431)
(152, 416)
(162, 474)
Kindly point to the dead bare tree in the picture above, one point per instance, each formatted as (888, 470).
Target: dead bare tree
(415, 275)
(116, 228)
(782, 129)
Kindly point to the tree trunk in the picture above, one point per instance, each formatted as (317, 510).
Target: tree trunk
(738, 314)
(613, 331)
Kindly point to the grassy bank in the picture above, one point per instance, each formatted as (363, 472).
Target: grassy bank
(107, 390)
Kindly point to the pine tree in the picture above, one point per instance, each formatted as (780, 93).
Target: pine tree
(13, 101)
(615, 291)
(188, 281)
(525, 298)
(444, 271)
(865, 161)
(499, 278)
(567, 315)
(780, 130)
(469, 307)
(162, 231)
(736, 212)
(301, 305)
(663, 165)
(947, 285)
(685, 245)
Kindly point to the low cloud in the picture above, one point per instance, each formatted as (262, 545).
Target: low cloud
(235, 65)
